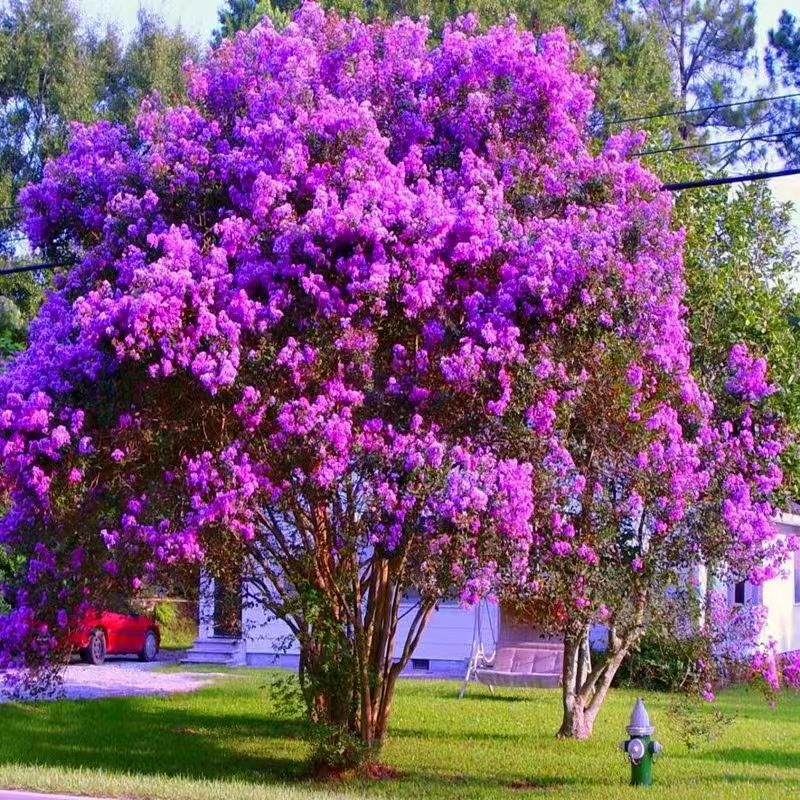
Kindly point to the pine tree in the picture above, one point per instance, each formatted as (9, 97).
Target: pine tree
(783, 66)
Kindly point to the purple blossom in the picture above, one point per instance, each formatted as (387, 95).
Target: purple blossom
(361, 283)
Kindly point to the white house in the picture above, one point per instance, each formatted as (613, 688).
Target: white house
(448, 642)
(780, 596)
(445, 646)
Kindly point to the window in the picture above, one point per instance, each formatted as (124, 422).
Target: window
(745, 594)
(797, 576)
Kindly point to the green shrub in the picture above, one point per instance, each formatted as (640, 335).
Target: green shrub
(165, 614)
(178, 623)
(658, 664)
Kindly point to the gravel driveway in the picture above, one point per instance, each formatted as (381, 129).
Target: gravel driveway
(120, 678)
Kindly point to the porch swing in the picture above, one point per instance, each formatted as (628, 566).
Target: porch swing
(522, 656)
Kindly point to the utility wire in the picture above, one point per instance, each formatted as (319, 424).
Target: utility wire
(701, 109)
(728, 179)
(699, 145)
(36, 267)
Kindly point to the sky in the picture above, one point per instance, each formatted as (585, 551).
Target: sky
(199, 17)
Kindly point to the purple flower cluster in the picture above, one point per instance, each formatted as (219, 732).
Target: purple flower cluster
(377, 292)
(773, 672)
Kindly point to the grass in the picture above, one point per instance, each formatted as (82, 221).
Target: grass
(227, 741)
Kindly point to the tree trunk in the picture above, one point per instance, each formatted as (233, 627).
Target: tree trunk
(584, 687)
(577, 720)
(348, 676)
(344, 610)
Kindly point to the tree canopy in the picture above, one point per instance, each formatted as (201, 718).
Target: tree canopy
(54, 71)
(433, 341)
(783, 65)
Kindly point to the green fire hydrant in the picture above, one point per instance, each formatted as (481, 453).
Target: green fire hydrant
(641, 748)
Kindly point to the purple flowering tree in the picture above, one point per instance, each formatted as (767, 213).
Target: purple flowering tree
(647, 479)
(366, 317)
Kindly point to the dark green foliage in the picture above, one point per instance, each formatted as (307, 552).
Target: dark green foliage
(178, 623)
(152, 61)
(659, 664)
(52, 72)
(8, 566)
(783, 65)
(45, 80)
(242, 15)
(741, 258)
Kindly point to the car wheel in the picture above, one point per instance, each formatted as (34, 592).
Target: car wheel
(150, 648)
(95, 652)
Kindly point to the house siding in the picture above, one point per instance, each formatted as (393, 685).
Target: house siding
(446, 641)
(777, 594)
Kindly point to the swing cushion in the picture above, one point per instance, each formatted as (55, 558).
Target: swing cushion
(504, 659)
(532, 665)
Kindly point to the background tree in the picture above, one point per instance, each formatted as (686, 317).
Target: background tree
(52, 71)
(151, 61)
(242, 15)
(45, 80)
(711, 43)
(783, 66)
(741, 259)
(20, 296)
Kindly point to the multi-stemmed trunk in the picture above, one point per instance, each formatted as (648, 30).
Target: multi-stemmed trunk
(584, 684)
(343, 607)
(349, 673)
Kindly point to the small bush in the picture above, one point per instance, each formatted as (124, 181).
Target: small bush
(658, 664)
(178, 623)
(166, 614)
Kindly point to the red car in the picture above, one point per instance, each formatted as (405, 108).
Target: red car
(107, 633)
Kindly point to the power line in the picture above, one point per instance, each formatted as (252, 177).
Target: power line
(699, 145)
(36, 267)
(702, 109)
(728, 179)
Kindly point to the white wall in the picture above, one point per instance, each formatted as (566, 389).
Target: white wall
(266, 635)
(448, 636)
(783, 615)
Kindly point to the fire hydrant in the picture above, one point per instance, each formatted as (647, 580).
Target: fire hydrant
(640, 747)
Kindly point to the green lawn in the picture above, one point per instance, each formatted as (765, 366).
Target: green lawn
(227, 742)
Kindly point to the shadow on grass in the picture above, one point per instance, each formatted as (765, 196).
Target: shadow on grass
(127, 735)
(528, 783)
(760, 757)
(465, 736)
(473, 694)
(198, 737)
